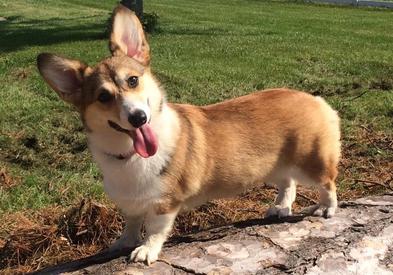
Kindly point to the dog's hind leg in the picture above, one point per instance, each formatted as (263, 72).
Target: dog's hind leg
(286, 196)
(328, 200)
(325, 182)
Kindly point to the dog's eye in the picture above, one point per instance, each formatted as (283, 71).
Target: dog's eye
(105, 96)
(132, 81)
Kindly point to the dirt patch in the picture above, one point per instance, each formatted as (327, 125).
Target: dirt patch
(6, 180)
(65, 149)
(382, 84)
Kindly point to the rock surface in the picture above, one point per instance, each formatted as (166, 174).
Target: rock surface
(358, 240)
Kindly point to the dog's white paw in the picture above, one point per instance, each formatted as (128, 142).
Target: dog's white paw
(278, 211)
(145, 253)
(322, 211)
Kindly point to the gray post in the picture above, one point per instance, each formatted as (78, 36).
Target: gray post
(134, 5)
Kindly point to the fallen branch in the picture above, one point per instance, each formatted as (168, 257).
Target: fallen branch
(356, 97)
(307, 198)
(374, 183)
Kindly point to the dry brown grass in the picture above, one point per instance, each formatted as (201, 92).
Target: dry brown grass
(6, 181)
(51, 236)
(367, 163)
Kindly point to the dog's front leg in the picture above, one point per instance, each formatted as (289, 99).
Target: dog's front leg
(157, 229)
(131, 235)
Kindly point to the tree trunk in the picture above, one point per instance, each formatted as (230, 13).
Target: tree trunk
(134, 5)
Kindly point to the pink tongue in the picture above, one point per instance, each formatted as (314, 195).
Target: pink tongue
(145, 141)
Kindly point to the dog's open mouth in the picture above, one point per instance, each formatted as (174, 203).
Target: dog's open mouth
(144, 139)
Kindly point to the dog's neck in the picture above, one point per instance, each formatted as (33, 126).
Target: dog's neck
(123, 156)
(108, 142)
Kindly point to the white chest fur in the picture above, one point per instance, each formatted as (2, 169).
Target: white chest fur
(134, 185)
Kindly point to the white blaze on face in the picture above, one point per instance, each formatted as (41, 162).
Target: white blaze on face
(144, 138)
(130, 104)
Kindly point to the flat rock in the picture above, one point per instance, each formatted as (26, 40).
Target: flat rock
(358, 240)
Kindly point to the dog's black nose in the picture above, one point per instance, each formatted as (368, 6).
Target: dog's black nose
(137, 118)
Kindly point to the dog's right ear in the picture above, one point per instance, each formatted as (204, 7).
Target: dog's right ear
(65, 76)
(127, 36)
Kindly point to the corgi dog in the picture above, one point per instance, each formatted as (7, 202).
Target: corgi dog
(159, 158)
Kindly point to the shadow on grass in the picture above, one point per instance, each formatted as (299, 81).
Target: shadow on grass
(18, 32)
(197, 30)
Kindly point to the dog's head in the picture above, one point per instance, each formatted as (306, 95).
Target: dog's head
(117, 97)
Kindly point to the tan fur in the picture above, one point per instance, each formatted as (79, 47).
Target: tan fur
(278, 136)
(231, 146)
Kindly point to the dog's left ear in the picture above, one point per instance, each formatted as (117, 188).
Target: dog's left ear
(127, 37)
(63, 75)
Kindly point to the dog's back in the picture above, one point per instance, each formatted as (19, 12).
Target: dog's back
(269, 136)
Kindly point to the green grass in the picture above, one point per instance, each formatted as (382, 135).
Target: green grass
(203, 52)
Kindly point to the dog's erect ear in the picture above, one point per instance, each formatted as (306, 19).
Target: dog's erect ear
(65, 76)
(127, 36)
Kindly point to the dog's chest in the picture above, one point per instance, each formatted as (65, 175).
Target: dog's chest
(133, 185)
